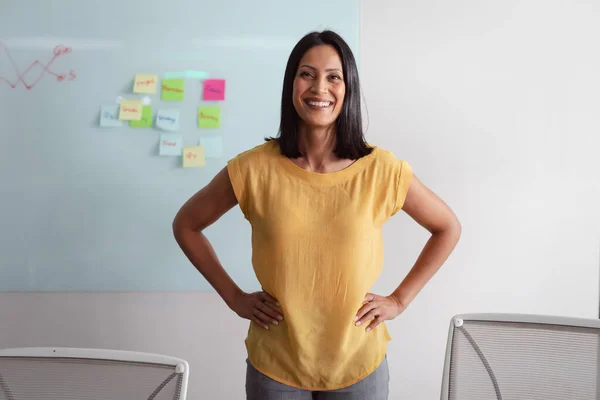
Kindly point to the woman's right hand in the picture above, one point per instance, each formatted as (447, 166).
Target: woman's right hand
(260, 307)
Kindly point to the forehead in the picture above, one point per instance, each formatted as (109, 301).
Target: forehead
(322, 57)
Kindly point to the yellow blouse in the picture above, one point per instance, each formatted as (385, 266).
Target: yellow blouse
(317, 248)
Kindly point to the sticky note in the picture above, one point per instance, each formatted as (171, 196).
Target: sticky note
(214, 89)
(171, 144)
(172, 89)
(109, 116)
(213, 146)
(193, 156)
(167, 120)
(209, 117)
(130, 110)
(145, 83)
(145, 121)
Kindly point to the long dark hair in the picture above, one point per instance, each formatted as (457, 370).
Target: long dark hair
(350, 140)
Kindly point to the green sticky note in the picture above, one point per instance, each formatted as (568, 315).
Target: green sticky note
(172, 89)
(209, 117)
(145, 121)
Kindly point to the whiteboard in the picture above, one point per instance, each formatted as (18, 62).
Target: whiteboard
(87, 208)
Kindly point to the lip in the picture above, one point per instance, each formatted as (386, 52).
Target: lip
(318, 100)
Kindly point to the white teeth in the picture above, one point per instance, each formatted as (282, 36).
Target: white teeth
(319, 103)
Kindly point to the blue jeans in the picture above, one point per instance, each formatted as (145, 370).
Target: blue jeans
(374, 387)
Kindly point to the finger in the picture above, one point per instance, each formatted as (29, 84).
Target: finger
(267, 297)
(259, 322)
(363, 310)
(264, 317)
(374, 323)
(369, 297)
(272, 305)
(368, 316)
(271, 313)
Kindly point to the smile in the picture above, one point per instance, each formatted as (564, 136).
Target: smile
(319, 104)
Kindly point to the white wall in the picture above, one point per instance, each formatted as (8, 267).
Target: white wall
(495, 104)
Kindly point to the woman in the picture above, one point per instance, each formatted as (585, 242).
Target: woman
(317, 196)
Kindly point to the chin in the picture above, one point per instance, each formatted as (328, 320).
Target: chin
(318, 124)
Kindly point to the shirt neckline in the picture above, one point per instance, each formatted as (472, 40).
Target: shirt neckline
(325, 178)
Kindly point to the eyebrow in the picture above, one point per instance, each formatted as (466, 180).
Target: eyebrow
(327, 70)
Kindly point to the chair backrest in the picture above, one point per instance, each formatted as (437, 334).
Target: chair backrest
(60, 373)
(519, 356)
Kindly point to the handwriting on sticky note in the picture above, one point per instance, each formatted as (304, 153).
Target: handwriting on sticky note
(109, 116)
(168, 120)
(145, 121)
(193, 156)
(145, 83)
(171, 144)
(172, 89)
(209, 117)
(130, 110)
(214, 89)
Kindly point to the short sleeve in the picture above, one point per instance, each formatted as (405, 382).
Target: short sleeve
(235, 168)
(404, 176)
(245, 171)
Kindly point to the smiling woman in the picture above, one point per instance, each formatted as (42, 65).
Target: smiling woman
(322, 69)
(317, 197)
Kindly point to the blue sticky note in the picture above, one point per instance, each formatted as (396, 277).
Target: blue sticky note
(109, 116)
(196, 74)
(171, 144)
(167, 120)
(213, 146)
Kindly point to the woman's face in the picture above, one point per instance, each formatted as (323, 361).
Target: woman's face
(319, 87)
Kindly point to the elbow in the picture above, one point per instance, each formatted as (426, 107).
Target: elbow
(177, 227)
(183, 225)
(455, 229)
(451, 228)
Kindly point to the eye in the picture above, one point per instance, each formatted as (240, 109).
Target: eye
(305, 73)
(335, 77)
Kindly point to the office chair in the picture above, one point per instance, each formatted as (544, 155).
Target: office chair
(521, 357)
(61, 373)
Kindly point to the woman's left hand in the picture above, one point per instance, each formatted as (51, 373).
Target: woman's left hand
(379, 309)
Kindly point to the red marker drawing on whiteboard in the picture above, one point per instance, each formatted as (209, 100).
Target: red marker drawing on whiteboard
(45, 68)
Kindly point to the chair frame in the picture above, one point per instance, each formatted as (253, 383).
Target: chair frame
(458, 320)
(180, 366)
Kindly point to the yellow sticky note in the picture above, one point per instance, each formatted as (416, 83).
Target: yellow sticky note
(145, 83)
(193, 156)
(130, 110)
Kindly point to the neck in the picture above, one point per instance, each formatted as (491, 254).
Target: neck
(317, 145)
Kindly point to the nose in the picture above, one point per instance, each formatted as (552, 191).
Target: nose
(319, 85)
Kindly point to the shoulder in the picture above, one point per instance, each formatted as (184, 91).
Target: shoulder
(256, 155)
(389, 160)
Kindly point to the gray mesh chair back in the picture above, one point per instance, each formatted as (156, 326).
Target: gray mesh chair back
(521, 357)
(90, 374)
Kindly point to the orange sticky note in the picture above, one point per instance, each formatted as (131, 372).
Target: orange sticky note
(145, 83)
(130, 110)
(193, 156)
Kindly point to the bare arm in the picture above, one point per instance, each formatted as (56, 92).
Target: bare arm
(199, 212)
(429, 211)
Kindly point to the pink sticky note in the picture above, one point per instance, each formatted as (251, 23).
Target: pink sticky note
(214, 89)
